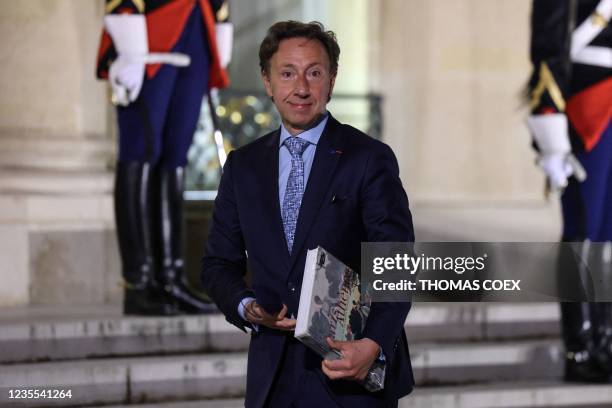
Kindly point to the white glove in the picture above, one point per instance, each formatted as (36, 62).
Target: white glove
(225, 38)
(126, 79)
(550, 132)
(126, 74)
(557, 169)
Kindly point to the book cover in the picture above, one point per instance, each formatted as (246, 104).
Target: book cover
(332, 304)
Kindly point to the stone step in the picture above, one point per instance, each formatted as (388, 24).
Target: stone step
(222, 375)
(34, 334)
(481, 321)
(462, 363)
(111, 337)
(50, 152)
(130, 379)
(511, 395)
(500, 395)
(70, 182)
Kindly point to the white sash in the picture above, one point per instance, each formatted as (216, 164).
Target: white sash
(586, 32)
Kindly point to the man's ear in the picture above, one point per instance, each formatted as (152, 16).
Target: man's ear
(267, 84)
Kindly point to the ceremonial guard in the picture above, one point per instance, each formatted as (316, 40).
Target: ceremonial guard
(571, 108)
(161, 58)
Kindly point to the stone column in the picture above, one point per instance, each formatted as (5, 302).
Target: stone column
(452, 73)
(57, 240)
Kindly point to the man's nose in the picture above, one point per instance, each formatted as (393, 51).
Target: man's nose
(302, 87)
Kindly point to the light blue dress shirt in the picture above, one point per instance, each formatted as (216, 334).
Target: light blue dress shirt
(284, 157)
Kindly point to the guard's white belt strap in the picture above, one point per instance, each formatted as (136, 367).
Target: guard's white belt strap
(587, 31)
(600, 56)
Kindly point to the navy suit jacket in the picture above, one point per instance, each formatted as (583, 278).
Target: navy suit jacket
(353, 195)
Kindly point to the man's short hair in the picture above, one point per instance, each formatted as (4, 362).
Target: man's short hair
(284, 30)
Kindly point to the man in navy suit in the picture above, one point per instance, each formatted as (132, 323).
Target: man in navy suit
(313, 182)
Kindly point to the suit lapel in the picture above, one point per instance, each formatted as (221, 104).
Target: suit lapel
(269, 180)
(329, 150)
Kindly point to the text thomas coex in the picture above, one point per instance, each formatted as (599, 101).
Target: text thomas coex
(458, 265)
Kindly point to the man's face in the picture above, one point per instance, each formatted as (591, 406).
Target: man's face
(300, 82)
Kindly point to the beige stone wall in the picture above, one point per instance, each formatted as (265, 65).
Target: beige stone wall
(48, 50)
(451, 73)
(348, 19)
(53, 111)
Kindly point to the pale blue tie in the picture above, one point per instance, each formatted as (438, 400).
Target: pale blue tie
(295, 188)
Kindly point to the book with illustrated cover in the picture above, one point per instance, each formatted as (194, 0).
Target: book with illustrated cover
(333, 304)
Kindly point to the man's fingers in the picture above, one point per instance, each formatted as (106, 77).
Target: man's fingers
(327, 372)
(253, 318)
(252, 315)
(282, 313)
(252, 312)
(336, 345)
(258, 310)
(255, 309)
(262, 312)
(256, 314)
(337, 365)
(285, 324)
(335, 374)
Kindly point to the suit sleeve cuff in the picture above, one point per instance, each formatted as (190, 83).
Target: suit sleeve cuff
(242, 306)
(242, 312)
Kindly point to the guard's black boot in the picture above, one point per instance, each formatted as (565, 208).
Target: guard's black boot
(603, 336)
(581, 363)
(603, 310)
(132, 204)
(171, 276)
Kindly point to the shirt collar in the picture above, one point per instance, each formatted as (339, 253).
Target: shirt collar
(311, 135)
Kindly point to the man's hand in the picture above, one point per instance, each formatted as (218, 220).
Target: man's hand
(357, 358)
(256, 314)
